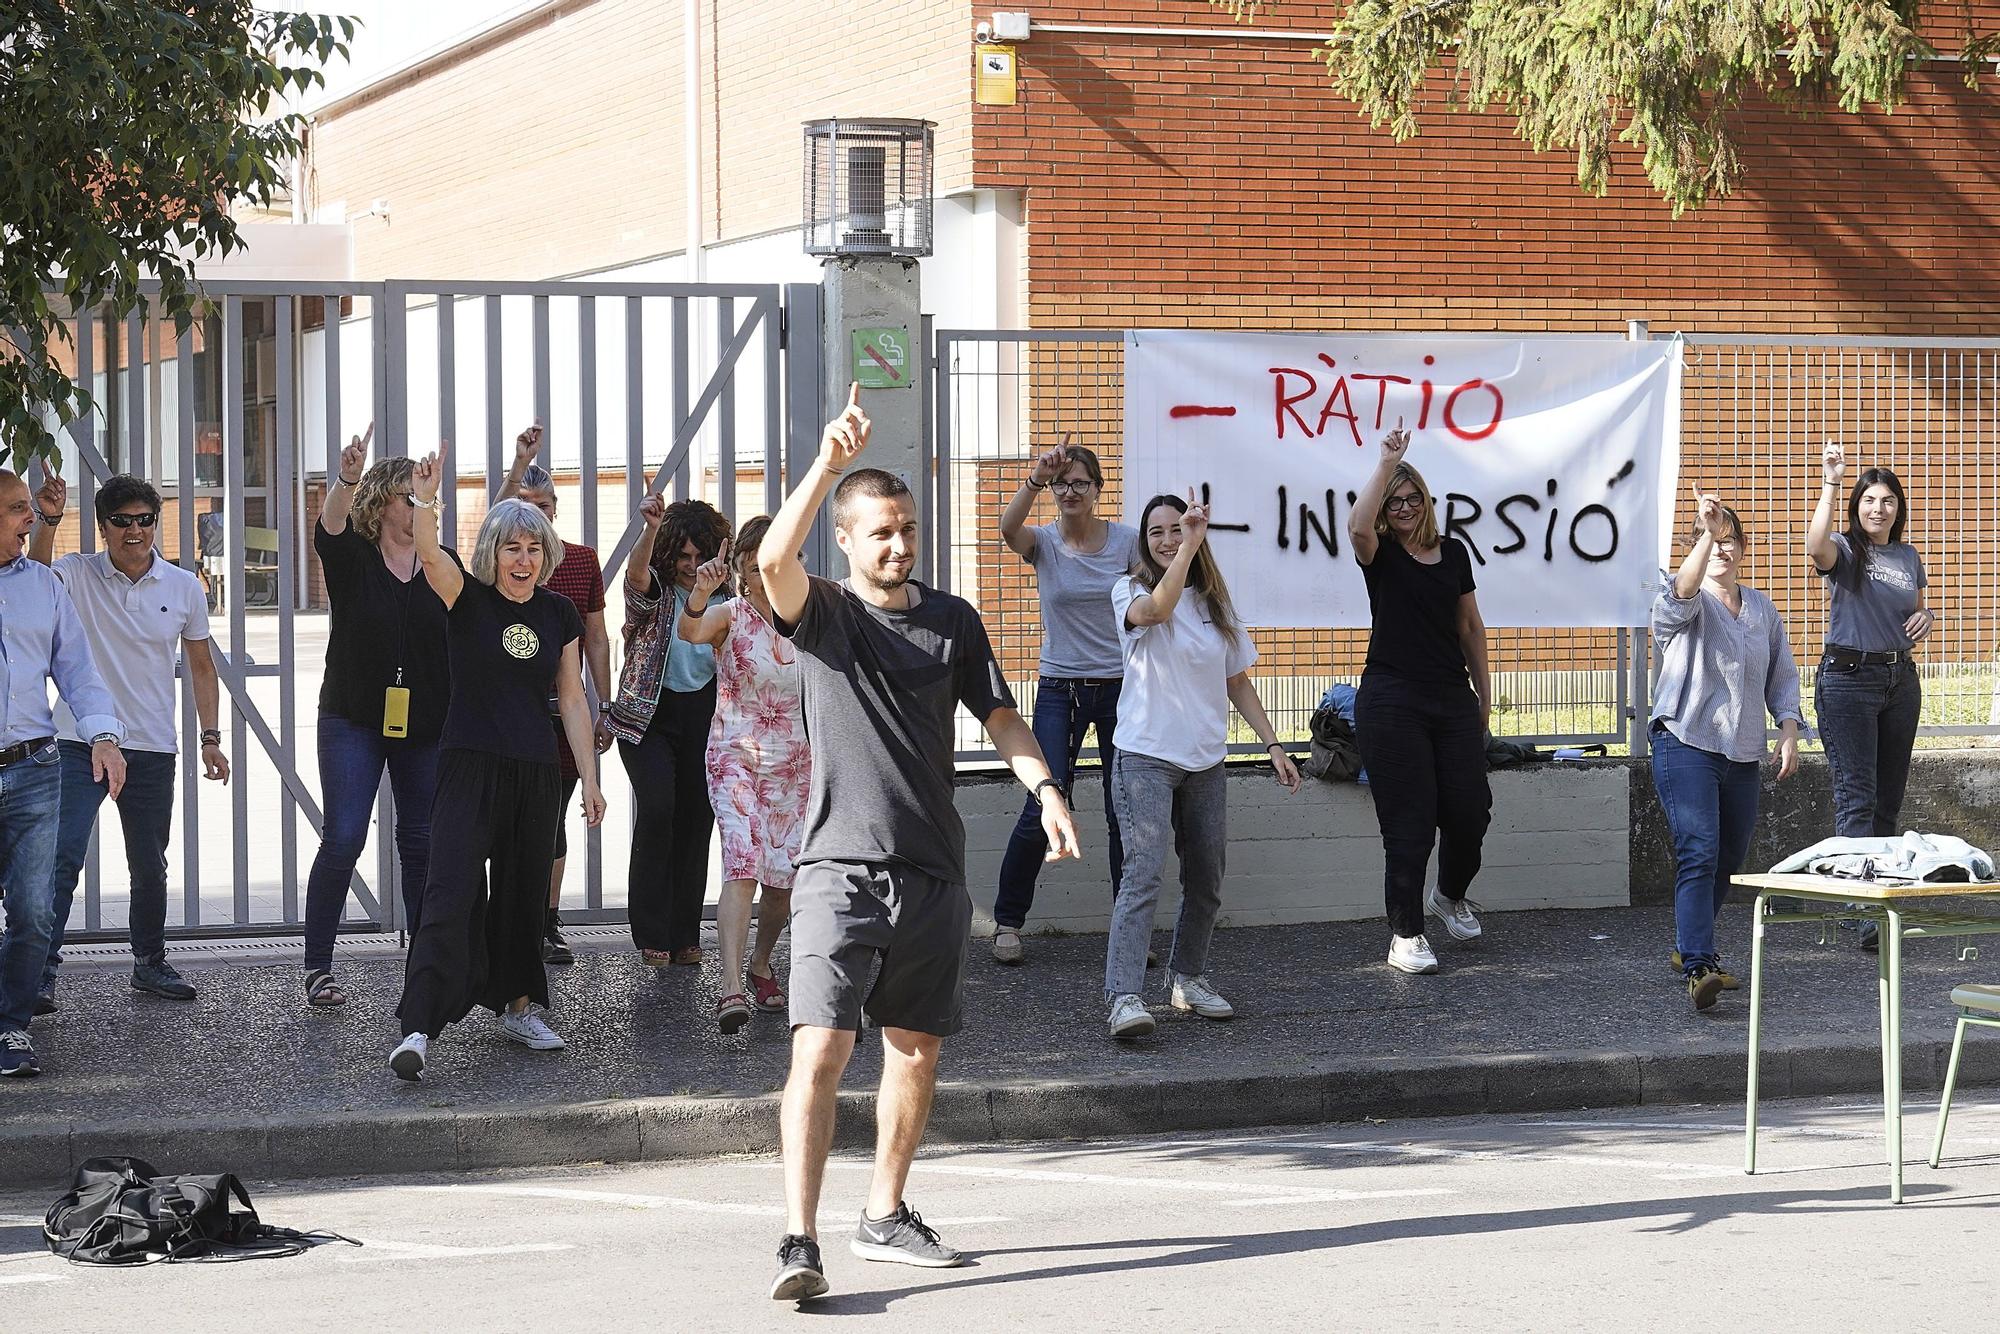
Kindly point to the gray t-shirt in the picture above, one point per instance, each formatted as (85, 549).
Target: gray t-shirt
(1869, 618)
(1079, 629)
(881, 689)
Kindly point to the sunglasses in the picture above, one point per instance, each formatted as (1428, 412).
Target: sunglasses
(127, 520)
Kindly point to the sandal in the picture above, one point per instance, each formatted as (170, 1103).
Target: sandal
(656, 958)
(732, 1012)
(770, 996)
(688, 954)
(322, 992)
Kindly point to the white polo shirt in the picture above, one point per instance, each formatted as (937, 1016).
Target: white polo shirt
(135, 632)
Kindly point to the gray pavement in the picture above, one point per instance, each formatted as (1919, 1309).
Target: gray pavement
(1552, 1010)
(1501, 1223)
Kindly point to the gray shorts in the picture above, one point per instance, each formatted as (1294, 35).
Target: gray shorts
(846, 914)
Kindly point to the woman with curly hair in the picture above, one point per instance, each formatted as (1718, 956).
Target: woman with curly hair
(666, 700)
(759, 767)
(382, 702)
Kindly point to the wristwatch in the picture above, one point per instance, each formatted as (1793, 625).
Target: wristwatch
(46, 520)
(430, 504)
(211, 736)
(112, 737)
(1037, 792)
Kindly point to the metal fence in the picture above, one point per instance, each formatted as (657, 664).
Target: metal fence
(1755, 411)
(641, 385)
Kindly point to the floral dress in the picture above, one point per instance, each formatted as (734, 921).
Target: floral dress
(759, 766)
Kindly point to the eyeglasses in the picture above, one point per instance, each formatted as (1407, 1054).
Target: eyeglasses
(127, 520)
(1400, 503)
(1072, 488)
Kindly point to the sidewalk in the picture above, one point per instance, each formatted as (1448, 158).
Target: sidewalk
(1552, 1010)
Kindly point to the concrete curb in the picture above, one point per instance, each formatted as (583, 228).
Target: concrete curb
(689, 1126)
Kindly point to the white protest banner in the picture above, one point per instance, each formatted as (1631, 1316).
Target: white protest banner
(1552, 459)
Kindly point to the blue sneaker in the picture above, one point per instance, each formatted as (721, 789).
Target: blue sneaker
(17, 1055)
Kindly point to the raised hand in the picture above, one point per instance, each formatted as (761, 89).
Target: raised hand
(1708, 511)
(355, 457)
(651, 511)
(1832, 463)
(1049, 465)
(53, 498)
(1395, 443)
(1194, 523)
(527, 446)
(846, 435)
(712, 574)
(428, 473)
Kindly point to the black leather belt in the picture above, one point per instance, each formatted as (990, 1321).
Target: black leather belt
(21, 750)
(1853, 656)
(1083, 681)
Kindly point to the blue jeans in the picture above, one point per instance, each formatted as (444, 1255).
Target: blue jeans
(30, 806)
(1868, 723)
(1711, 806)
(351, 758)
(146, 814)
(1164, 804)
(1065, 710)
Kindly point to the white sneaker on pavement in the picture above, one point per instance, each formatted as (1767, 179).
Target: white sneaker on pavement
(408, 1058)
(1458, 919)
(1194, 993)
(1007, 947)
(1412, 954)
(528, 1029)
(1129, 1018)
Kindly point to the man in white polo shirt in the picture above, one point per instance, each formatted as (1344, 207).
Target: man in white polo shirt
(137, 609)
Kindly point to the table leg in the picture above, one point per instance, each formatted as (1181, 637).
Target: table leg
(1892, 946)
(1756, 1028)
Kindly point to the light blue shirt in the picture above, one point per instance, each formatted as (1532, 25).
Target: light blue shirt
(42, 639)
(689, 666)
(1720, 673)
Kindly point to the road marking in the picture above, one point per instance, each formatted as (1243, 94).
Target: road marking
(417, 1250)
(1736, 1128)
(631, 1201)
(1159, 1183)
(20, 1220)
(1678, 1169)
(31, 1278)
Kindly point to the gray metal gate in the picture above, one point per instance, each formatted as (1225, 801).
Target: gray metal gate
(642, 386)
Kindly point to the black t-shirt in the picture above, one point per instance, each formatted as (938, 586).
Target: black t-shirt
(1415, 612)
(504, 658)
(380, 623)
(881, 692)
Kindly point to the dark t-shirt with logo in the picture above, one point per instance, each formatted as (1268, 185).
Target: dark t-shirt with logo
(504, 656)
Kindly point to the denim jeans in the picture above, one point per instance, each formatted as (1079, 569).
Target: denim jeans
(351, 759)
(1711, 806)
(1160, 802)
(1426, 757)
(30, 806)
(1065, 710)
(146, 814)
(1868, 723)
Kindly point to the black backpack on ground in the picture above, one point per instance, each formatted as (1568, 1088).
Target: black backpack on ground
(121, 1211)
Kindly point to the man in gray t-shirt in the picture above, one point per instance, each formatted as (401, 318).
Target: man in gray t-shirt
(881, 875)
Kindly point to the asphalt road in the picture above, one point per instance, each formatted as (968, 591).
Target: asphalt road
(1635, 1220)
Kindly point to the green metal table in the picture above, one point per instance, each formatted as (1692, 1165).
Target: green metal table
(1892, 907)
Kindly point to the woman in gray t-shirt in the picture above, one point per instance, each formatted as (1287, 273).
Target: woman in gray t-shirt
(1866, 695)
(1076, 560)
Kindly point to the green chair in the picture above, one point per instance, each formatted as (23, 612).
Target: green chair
(1977, 1004)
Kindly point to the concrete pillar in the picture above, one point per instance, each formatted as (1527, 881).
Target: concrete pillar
(875, 296)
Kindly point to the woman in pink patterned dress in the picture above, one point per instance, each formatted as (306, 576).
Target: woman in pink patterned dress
(759, 767)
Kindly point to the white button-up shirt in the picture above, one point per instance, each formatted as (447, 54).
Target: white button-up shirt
(42, 640)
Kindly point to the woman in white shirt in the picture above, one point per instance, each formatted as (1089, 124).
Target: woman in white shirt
(1186, 662)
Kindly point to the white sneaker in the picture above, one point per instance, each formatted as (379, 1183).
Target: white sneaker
(1194, 993)
(408, 1058)
(1412, 954)
(528, 1029)
(1129, 1018)
(1458, 919)
(1007, 947)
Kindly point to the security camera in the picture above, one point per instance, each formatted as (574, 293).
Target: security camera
(982, 31)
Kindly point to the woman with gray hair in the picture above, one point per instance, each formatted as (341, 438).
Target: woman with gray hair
(382, 702)
(510, 642)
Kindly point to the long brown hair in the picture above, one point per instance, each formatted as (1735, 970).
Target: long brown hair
(1427, 519)
(1204, 576)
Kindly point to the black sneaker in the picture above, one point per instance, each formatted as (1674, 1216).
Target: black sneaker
(554, 948)
(1870, 937)
(158, 977)
(1704, 984)
(903, 1238)
(45, 1002)
(799, 1277)
(17, 1055)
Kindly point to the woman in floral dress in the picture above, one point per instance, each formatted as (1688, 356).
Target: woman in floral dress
(759, 767)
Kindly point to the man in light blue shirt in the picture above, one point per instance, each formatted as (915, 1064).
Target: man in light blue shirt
(41, 639)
